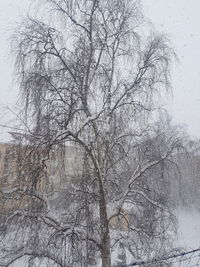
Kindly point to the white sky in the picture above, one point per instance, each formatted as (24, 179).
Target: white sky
(179, 19)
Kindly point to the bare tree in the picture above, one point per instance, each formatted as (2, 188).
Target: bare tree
(89, 78)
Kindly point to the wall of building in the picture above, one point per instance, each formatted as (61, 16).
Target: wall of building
(16, 179)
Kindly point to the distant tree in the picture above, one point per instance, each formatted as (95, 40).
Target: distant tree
(89, 79)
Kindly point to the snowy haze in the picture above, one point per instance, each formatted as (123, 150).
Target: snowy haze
(180, 20)
(189, 228)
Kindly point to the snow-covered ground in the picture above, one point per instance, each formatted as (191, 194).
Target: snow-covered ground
(189, 228)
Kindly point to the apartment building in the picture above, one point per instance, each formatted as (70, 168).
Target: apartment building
(15, 180)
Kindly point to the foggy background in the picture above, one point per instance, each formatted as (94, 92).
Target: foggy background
(180, 21)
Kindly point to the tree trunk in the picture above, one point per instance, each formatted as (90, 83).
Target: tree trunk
(105, 234)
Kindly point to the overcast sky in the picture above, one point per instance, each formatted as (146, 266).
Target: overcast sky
(179, 19)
